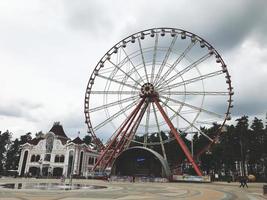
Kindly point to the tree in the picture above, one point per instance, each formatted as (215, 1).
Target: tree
(12, 156)
(4, 143)
(39, 134)
(256, 139)
(87, 139)
(25, 138)
(230, 150)
(255, 145)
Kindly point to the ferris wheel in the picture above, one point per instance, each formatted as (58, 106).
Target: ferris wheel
(160, 80)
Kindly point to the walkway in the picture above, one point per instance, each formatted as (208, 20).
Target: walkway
(133, 191)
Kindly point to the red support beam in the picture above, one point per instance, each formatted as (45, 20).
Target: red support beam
(135, 126)
(119, 132)
(178, 138)
(118, 146)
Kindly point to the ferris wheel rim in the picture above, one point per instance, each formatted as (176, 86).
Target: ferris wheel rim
(138, 35)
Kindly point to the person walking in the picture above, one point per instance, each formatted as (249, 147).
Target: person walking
(243, 181)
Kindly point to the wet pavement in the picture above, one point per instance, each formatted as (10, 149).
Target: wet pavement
(101, 190)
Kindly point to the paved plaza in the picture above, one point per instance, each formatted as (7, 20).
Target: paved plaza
(132, 191)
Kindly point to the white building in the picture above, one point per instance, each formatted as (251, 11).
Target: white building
(54, 154)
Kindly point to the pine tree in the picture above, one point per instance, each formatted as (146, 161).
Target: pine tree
(4, 143)
(12, 156)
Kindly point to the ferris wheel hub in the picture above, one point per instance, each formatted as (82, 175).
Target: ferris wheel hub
(148, 90)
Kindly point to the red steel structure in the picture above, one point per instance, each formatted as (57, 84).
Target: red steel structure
(147, 86)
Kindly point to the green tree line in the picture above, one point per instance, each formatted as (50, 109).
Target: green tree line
(245, 142)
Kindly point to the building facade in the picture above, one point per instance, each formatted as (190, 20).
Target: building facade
(54, 154)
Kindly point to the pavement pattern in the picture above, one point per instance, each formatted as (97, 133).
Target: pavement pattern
(134, 191)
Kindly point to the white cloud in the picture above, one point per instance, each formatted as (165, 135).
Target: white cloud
(49, 48)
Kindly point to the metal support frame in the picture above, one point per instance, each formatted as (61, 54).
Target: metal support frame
(117, 135)
(133, 130)
(121, 143)
(132, 123)
(178, 138)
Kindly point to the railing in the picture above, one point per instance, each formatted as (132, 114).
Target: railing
(142, 179)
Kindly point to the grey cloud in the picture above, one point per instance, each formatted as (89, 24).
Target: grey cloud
(73, 123)
(21, 109)
(239, 24)
(244, 106)
(90, 16)
(10, 111)
(224, 24)
(253, 108)
(30, 105)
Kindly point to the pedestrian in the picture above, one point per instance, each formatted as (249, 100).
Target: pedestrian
(241, 181)
(245, 182)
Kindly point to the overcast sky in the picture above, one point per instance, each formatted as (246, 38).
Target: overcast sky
(49, 48)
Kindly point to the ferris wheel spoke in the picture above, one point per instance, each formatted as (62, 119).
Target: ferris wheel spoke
(194, 93)
(126, 74)
(119, 82)
(124, 92)
(159, 132)
(136, 125)
(165, 59)
(190, 124)
(112, 104)
(147, 118)
(188, 68)
(154, 58)
(143, 59)
(114, 116)
(189, 81)
(176, 62)
(193, 107)
(134, 67)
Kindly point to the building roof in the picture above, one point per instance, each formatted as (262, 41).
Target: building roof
(78, 140)
(58, 130)
(60, 134)
(35, 141)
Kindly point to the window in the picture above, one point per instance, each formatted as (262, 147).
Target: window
(47, 157)
(33, 158)
(59, 158)
(70, 162)
(81, 162)
(91, 161)
(56, 158)
(37, 158)
(62, 158)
